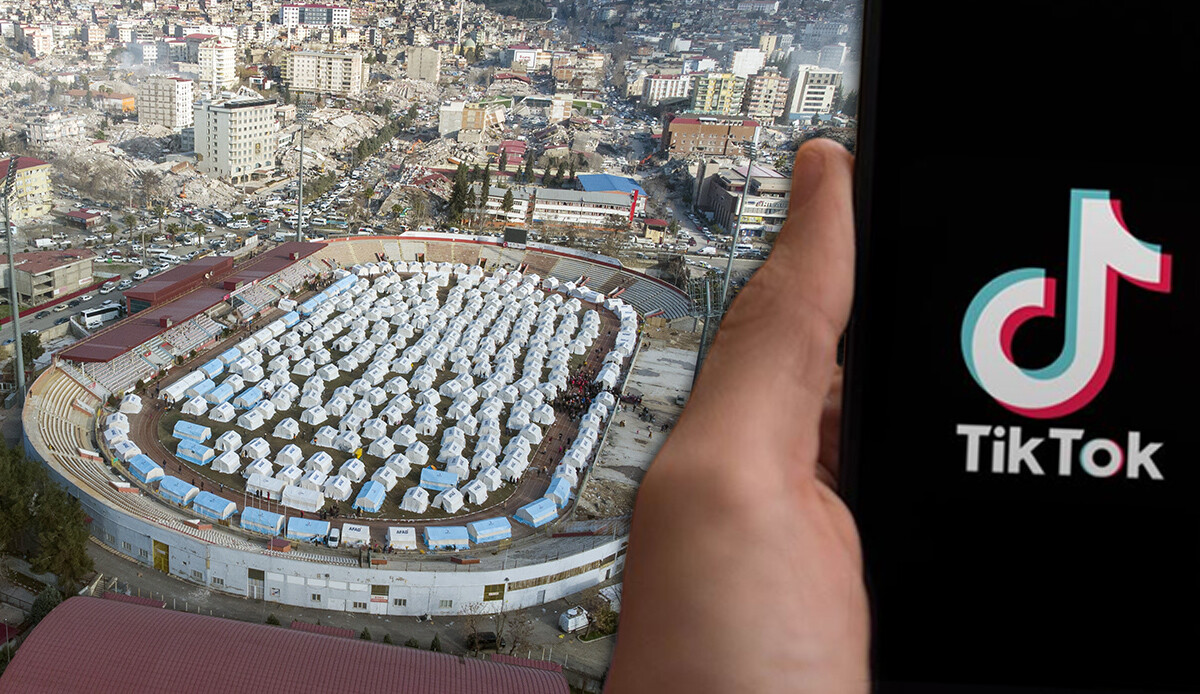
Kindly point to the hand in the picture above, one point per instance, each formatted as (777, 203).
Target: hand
(744, 572)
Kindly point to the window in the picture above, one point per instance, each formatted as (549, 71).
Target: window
(399, 602)
(126, 546)
(144, 554)
(360, 605)
(445, 604)
(197, 575)
(316, 597)
(218, 581)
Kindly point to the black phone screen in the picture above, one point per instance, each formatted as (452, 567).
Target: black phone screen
(1022, 363)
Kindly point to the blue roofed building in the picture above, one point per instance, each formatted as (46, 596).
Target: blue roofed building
(177, 491)
(438, 480)
(307, 529)
(489, 530)
(447, 537)
(370, 497)
(259, 521)
(538, 513)
(194, 452)
(144, 469)
(185, 430)
(212, 506)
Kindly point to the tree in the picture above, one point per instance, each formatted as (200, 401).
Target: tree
(129, 221)
(473, 616)
(365, 635)
(436, 644)
(527, 175)
(387, 638)
(46, 600)
(502, 165)
(412, 643)
(272, 619)
(31, 349)
(602, 618)
(520, 631)
(111, 228)
(508, 202)
(62, 537)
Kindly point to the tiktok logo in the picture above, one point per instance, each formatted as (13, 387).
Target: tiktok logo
(1101, 250)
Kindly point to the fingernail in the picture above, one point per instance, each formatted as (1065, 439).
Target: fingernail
(807, 173)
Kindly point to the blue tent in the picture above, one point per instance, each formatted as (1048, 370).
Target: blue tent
(537, 514)
(212, 506)
(249, 397)
(202, 387)
(230, 355)
(307, 529)
(260, 521)
(290, 318)
(144, 469)
(609, 183)
(438, 480)
(559, 492)
(177, 491)
(194, 452)
(489, 530)
(447, 537)
(220, 394)
(370, 497)
(191, 431)
(213, 368)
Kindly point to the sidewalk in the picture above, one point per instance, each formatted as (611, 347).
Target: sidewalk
(590, 659)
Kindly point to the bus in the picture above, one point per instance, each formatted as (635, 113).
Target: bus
(95, 317)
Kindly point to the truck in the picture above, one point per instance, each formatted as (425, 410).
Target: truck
(573, 620)
(141, 274)
(43, 243)
(708, 250)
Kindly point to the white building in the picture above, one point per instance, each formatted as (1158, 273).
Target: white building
(314, 15)
(217, 64)
(324, 73)
(747, 61)
(813, 89)
(658, 88)
(165, 101)
(235, 138)
(55, 126)
(423, 64)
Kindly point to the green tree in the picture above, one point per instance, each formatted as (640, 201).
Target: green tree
(387, 638)
(111, 228)
(486, 179)
(129, 221)
(48, 599)
(365, 635)
(508, 202)
(31, 349)
(527, 175)
(412, 643)
(436, 644)
(62, 537)
(272, 619)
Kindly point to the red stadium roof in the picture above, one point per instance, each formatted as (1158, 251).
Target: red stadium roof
(144, 325)
(155, 650)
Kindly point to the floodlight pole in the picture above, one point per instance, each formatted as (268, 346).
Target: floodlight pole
(14, 307)
(751, 150)
(300, 192)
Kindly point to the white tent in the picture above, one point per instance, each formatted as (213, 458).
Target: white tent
(265, 487)
(287, 429)
(131, 404)
(348, 441)
(337, 488)
(353, 470)
(402, 538)
(311, 398)
(117, 420)
(568, 473)
(197, 406)
(114, 436)
(250, 420)
(126, 451)
(398, 464)
(304, 367)
(426, 425)
(262, 467)
(511, 470)
(543, 414)
(381, 447)
(321, 461)
(415, 500)
(325, 437)
(374, 428)
(289, 474)
(475, 492)
(302, 499)
(229, 441)
(418, 453)
(289, 455)
(256, 448)
(532, 433)
(314, 480)
(228, 463)
(281, 402)
(450, 500)
(490, 477)
(460, 467)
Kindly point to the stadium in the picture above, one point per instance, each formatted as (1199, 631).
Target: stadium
(439, 399)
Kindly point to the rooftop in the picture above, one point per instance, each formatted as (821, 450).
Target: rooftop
(37, 262)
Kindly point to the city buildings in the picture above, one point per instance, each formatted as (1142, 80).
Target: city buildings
(235, 138)
(423, 64)
(166, 101)
(718, 93)
(314, 14)
(766, 95)
(44, 275)
(813, 91)
(54, 126)
(659, 88)
(711, 135)
(217, 65)
(322, 72)
(31, 194)
(766, 201)
(747, 61)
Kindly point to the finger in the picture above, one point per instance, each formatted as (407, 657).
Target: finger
(831, 427)
(773, 358)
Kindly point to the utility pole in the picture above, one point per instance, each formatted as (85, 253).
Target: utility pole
(300, 192)
(14, 307)
(751, 150)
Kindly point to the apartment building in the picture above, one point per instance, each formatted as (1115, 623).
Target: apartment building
(747, 61)
(31, 194)
(323, 72)
(313, 14)
(43, 275)
(812, 91)
(560, 207)
(766, 199)
(217, 64)
(423, 64)
(52, 127)
(711, 135)
(166, 101)
(717, 93)
(235, 138)
(766, 95)
(659, 88)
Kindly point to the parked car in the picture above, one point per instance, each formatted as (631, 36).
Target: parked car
(62, 319)
(42, 314)
(59, 308)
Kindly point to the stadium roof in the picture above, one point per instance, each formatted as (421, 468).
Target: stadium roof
(144, 325)
(149, 649)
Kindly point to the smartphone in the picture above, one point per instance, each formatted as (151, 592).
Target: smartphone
(1021, 365)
